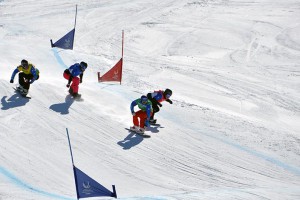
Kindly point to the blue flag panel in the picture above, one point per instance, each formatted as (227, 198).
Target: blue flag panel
(88, 187)
(66, 42)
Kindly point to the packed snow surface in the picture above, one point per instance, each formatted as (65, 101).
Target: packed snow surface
(233, 129)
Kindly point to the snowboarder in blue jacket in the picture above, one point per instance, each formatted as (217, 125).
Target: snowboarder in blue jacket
(71, 74)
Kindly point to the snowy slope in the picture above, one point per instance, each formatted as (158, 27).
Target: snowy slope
(232, 132)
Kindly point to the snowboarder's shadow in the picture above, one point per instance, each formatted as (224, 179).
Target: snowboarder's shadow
(14, 101)
(63, 108)
(130, 141)
(154, 128)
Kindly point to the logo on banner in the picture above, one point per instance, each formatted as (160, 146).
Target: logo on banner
(87, 188)
(67, 43)
(116, 75)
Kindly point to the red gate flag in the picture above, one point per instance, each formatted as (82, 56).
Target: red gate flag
(114, 74)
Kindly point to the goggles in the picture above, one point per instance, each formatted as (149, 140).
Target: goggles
(83, 68)
(168, 96)
(144, 101)
(25, 66)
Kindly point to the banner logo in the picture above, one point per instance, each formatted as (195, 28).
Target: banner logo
(87, 188)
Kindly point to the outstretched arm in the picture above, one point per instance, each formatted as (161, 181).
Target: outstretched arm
(148, 111)
(33, 72)
(170, 101)
(13, 75)
(132, 106)
(81, 76)
(70, 79)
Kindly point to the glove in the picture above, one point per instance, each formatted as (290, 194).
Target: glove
(133, 113)
(80, 81)
(68, 85)
(11, 81)
(160, 105)
(31, 81)
(171, 102)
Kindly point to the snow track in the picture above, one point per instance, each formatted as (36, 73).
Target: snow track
(232, 131)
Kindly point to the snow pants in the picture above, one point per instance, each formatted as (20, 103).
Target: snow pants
(155, 109)
(75, 82)
(24, 80)
(140, 118)
(154, 105)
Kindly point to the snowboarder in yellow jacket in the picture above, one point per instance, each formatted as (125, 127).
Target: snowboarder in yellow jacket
(28, 74)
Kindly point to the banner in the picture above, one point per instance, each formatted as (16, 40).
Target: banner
(88, 187)
(114, 74)
(66, 42)
(85, 185)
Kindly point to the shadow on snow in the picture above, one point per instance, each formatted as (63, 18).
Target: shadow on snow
(130, 141)
(63, 108)
(14, 101)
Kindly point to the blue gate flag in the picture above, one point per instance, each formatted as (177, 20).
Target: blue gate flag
(88, 187)
(66, 42)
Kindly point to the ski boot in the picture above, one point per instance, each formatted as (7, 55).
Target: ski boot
(71, 91)
(137, 130)
(141, 131)
(24, 92)
(152, 121)
(20, 88)
(134, 128)
(76, 96)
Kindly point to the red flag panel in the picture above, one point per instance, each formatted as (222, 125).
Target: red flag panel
(114, 74)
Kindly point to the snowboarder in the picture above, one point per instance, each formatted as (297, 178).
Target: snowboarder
(71, 74)
(156, 98)
(28, 74)
(141, 117)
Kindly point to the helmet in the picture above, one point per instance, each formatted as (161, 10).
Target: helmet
(144, 99)
(24, 63)
(167, 93)
(83, 65)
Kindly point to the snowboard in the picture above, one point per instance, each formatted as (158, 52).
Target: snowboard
(25, 96)
(140, 134)
(77, 98)
(155, 124)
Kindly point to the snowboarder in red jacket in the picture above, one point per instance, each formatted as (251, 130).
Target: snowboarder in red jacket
(156, 98)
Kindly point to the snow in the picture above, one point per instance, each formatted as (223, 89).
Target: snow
(232, 132)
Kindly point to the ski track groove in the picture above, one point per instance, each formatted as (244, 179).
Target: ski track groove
(204, 156)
